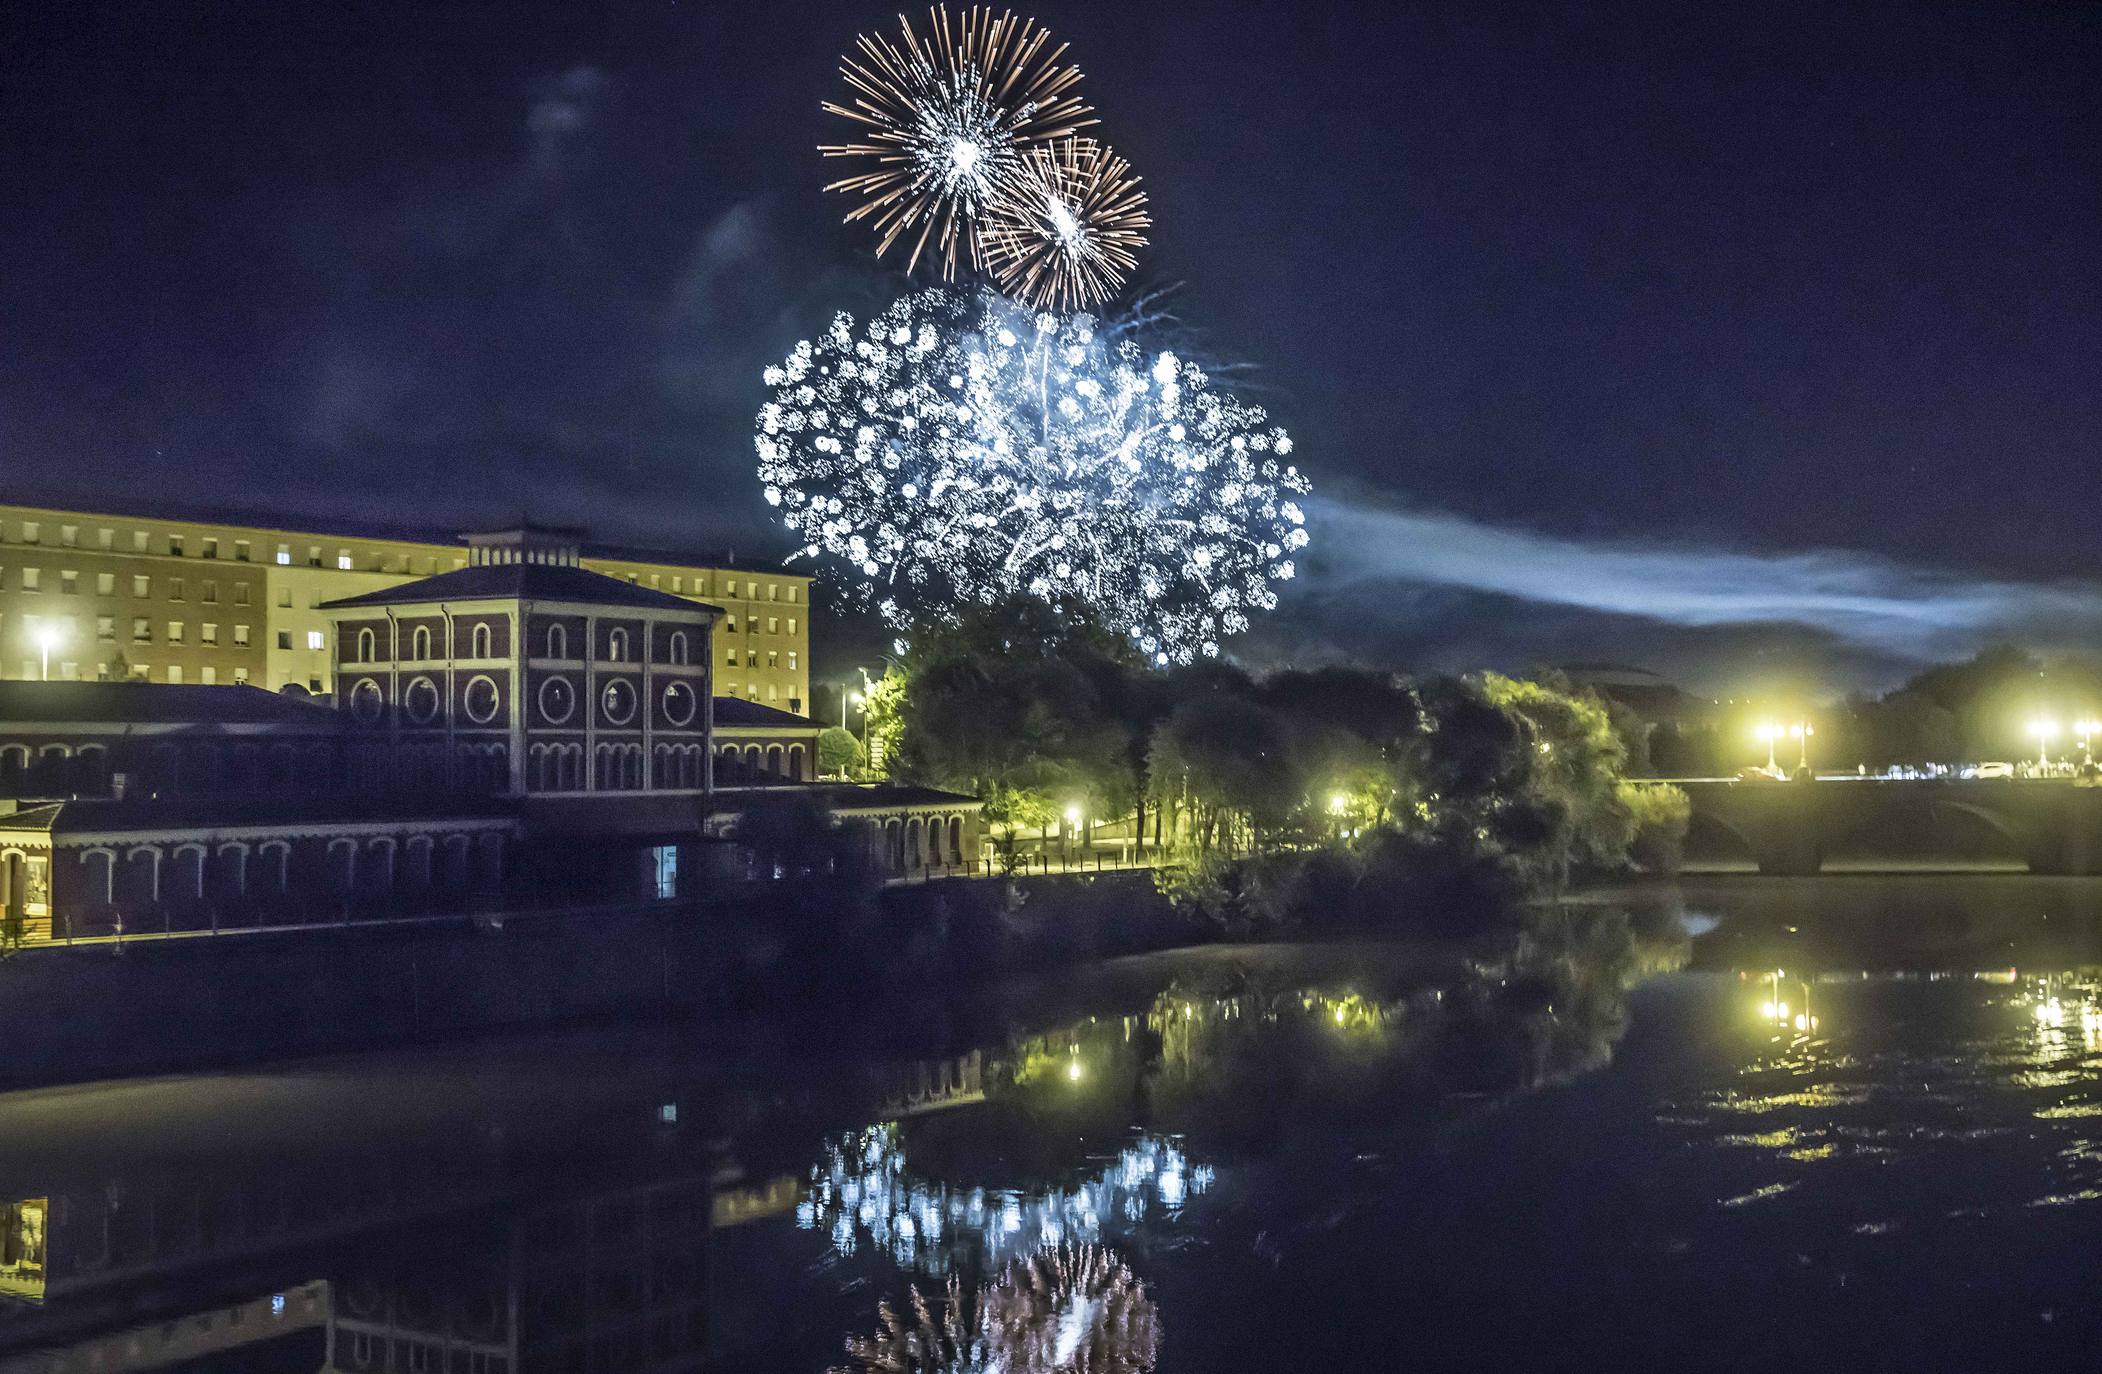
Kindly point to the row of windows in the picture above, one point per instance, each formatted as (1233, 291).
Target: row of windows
(32, 580)
(61, 630)
(68, 670)
(751, 658)
(556, 644)
(751, 624)
(752, 693)
(751, 586)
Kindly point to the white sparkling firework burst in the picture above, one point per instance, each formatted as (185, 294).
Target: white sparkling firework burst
(957, 450)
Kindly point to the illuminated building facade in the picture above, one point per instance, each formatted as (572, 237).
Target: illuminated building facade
(189, 602)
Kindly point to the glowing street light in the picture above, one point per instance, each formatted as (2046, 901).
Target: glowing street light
(2085, 730)
(1801, 732)
(2045, 729)
(846, 696)
(1769, 732)
(48, 636)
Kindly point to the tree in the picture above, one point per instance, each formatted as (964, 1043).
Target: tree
(1007, 703)
(839, 754)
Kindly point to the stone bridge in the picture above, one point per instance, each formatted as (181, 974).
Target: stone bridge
(1790, 827)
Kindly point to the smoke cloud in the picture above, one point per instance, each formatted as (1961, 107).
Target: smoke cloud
(1874, 607)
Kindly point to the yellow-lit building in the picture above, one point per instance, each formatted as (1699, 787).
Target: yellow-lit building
(100, 596)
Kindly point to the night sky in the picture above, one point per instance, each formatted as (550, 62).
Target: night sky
(1733, 340)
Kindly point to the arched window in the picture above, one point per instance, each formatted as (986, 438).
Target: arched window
(367, 645)
(420, 643)
(557, 642)
(617, 646)
(483, 641)
(678, 647)
(795, 761)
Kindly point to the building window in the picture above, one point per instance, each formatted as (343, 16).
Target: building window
(481, 700)
(680, 704)
(557, 700)
(240, 675)
(791, 620)
(420, 644)
(208, 633)
(730, 657)
(141, 630)
(106, 627)
(313, 555)
(664, 863)
(617, 646)
(773, 658)
(175, 589)
(241, 635)
(678, 646)
(730, 589)
(284, 555)
(791, 660)
(175, 549)
(31, 578)
(208, 675)
(773, 693)
(242, 550)
(420, 702)
(32, 532)
(105, 584)
(343, 560)
(175, 675)
(366, 700)
(284, 639)
(368, 646)
(106, 538)
(791, 601)
(138, 541)
(175, 632)
(141, 586)
(751, 658)
(69, 536)
(557, 642)
(773, 591)
(69, 582)
(211, 548)
(618, 702)
(211, 590)
(315, 640)
(730, 623)
(484, 642)
(773, 624)
(678, 583)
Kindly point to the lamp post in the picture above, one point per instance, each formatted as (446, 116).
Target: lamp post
(1769, 732)
(1073, 818)
(46, 636)
(1801, 732)
(2086, 728)
(2044, 728)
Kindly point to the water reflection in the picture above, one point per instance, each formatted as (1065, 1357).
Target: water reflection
(1008, 1204)
(1071, 1308)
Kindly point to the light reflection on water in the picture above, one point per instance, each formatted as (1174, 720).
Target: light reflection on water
(1559, 1143)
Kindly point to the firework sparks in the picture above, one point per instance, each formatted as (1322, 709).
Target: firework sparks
(947, 120)
(1071, 231)
(957, 450)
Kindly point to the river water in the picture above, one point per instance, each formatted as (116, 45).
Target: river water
(1746, 1124)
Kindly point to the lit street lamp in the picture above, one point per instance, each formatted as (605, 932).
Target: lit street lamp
(1801, 732)
(846, 696)
(2045, 730)
(2085, 729)
(47, 635)
(1769, 732)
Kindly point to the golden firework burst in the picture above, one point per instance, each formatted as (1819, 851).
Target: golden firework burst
(1070, 232)
(945, 122)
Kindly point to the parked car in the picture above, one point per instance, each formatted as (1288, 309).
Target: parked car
(1993, 770)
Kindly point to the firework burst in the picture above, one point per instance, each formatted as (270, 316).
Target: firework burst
(947, 120)
(957, 450)
(1071, 230)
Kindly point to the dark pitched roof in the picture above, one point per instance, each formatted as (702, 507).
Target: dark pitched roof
(151, 703)
(736, 711)
(93, 814)
(523, 581)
